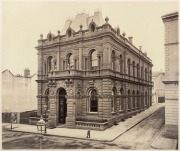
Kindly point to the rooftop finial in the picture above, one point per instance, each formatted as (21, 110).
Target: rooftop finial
(124, 34)
(81, 26)
(41, 35)
(106, 19)
(58, 32)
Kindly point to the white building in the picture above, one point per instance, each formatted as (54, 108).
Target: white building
(171, 73)
(19, 92)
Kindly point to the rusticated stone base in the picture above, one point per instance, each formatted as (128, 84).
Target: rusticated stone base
(52, 122)
(70, 122)
(171, 131)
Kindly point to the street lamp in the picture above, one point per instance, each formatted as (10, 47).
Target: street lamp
(13, 118)
(41, 127)
(45, 110)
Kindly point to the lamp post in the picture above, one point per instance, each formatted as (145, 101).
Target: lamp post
(40, 128)
(45, 110)
(13, 118)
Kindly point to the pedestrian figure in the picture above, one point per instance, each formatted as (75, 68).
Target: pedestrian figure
(88, 133)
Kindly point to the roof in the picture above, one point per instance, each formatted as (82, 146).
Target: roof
(18, 75)
(82, 19)
(170, 15)
(157, 73)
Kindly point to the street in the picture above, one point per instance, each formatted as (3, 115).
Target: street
(138, 137)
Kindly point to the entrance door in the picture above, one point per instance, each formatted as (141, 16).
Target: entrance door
(62, 106)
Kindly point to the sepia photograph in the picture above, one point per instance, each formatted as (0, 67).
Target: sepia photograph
(90, 75)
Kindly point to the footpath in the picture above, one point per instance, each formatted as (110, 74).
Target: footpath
(107, 135)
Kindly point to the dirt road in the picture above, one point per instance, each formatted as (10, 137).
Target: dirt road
(140, 136)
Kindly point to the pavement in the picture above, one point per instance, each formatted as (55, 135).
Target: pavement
(107, 135)
(162, 142)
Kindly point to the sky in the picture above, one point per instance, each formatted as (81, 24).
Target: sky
(24, 21)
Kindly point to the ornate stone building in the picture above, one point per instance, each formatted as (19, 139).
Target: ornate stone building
(90, 75)
(171, 79)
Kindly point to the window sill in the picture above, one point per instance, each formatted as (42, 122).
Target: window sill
(92, 113)
(113, 113)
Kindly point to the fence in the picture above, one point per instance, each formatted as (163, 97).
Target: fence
(22, 117)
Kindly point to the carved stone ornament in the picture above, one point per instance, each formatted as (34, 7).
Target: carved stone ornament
(71, 92)
(51, 92)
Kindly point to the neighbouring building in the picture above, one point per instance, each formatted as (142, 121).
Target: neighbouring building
(91, 76)
(171, 73)
(158, 90)
(19, 92)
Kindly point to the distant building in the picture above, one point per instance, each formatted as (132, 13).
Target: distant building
(171, 81)
(91, 76)
(19, 92)
(158, 89)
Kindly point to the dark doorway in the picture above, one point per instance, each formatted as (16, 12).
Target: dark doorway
(62, 106)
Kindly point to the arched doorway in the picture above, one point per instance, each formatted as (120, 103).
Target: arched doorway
(62, 106)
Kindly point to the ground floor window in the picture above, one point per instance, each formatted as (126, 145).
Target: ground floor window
(93, 101)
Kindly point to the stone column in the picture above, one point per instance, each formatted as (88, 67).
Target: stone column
(70, 119)
(57, 63)
(80, 58)
(52, 119)
(106, 111)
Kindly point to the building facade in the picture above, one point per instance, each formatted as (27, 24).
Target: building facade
(91, 76)
(19, 92)
(158, 90)
(171, 73)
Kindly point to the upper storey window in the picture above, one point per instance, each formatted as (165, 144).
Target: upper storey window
(113, 60)
(69, 33)
(94, 60)
(49, 63)
(129, 65)
(92, 27)
(70, 61)
(137, 70)
(121, 63)
(133, 69)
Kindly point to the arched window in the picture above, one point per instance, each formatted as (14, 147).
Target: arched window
(47, 102)
(93, 101)
(49, 63)
(113, 103)
(138, 100)
(142, 72)
(121, 99)
(78, 104)
(142, 100)
(133, 69)
(121, 64)
(129, 67)
(69, 33)
(137, 70)
(133, 99)
(146, 98)
(145, 73)
(113, 60)
(150, 75)
(92, 27)
(129, 100)
(70, 61)
(94, 60)
(49, 37)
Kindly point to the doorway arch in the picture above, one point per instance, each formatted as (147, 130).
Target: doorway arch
(62, 106)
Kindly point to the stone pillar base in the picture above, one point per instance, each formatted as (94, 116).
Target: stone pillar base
(171, 131)
(70, 122)
(52, 121)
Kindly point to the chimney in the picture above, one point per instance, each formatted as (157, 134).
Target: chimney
(140, 48)
(26, 72)
(130, 40)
